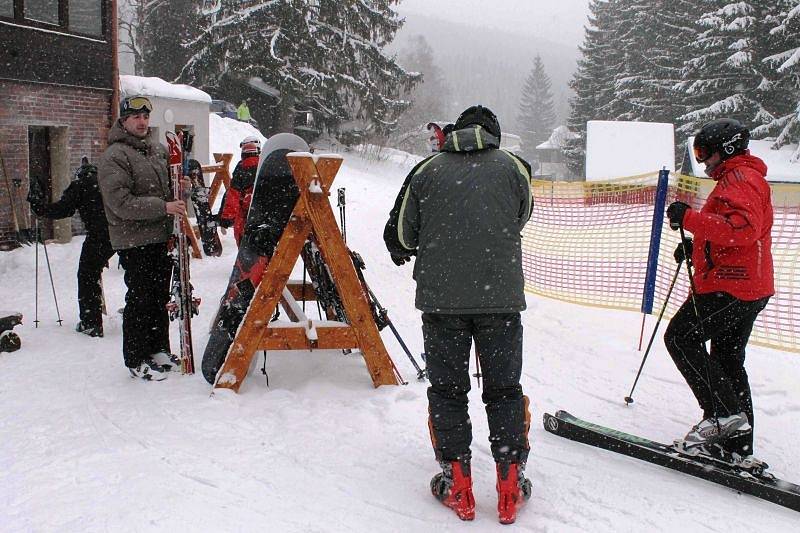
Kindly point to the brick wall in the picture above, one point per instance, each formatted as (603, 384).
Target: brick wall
(84, 112)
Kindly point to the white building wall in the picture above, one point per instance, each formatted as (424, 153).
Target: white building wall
(169, 113)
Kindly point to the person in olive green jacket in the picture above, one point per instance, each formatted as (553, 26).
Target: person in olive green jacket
(139, 206)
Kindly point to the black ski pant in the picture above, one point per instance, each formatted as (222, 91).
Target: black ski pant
(717, 379)
(95, 254)
(145, 323)
(498, 343)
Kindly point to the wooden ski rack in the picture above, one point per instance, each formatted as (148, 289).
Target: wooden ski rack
(312, 218)
(222, 175)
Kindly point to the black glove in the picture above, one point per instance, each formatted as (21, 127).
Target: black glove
(35, 198)
(679, 255)
(400, 260)
(675, 212)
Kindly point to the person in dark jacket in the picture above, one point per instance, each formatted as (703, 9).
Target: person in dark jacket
(461, 212)
(732, 282)
(236, 202)
(83, 196)
(140, 207)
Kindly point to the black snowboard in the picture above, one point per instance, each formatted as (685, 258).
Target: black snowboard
(274, 197)
(212, 246)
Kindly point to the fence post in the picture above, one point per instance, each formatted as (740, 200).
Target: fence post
(648, 294)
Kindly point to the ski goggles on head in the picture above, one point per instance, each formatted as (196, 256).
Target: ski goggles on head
(701, 153)
(134, 105)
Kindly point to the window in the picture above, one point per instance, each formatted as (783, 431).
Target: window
(6, 8)
(42, 10)
(86, 16)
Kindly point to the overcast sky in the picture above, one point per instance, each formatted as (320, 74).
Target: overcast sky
(560, 21)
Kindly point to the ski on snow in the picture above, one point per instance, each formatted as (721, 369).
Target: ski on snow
(701, 466)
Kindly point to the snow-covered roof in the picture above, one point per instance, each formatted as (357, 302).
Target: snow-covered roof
(782, 164)
(139, 85)
(259, 85)
(616, 149)
(557, 139)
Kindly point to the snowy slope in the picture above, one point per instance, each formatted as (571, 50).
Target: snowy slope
(83, 447)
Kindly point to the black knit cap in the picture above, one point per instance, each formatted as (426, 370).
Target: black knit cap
(481, 116)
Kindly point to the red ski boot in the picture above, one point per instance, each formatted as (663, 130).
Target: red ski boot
(513, 490)
(453, 487)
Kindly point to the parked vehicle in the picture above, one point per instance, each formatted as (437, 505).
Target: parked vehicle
(224, 109)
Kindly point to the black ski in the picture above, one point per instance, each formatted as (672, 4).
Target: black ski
(705, 467)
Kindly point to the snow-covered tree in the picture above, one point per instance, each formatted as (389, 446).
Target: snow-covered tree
(427, 98)
(537, 116)
(324, 56)
(726, 77)
(653, 35)
(785, 77)
(593, 81)
(155, 32)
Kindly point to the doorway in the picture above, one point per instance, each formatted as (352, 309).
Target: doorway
(39, 169)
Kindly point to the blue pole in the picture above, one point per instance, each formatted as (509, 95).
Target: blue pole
(648, 294)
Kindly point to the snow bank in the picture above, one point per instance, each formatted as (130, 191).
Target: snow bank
(225, 136)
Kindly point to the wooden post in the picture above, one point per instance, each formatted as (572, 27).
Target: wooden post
(312, 218)
(191, 235)
(222, 175)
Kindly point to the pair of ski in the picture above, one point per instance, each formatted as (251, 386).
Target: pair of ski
(764, 486)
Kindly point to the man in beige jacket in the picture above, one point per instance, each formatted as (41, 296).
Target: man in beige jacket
(139, 205)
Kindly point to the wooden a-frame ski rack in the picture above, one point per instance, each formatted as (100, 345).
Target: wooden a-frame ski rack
(312, 218)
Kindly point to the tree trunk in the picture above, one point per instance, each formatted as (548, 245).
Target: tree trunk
(286, 114)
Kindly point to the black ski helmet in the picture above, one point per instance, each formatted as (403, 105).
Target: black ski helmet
(726, 136)
(482, 116)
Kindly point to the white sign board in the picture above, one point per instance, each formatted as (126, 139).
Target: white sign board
(617, 149)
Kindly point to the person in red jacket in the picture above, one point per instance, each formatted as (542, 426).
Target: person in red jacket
(237, 199)
(732, 283)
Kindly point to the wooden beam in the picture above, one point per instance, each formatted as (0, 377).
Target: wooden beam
(295, 338)
(222, 175)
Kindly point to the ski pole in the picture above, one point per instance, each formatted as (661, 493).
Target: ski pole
(52, 285)
(36, 277)
(629, 397)
(383, 313)
(693, 292)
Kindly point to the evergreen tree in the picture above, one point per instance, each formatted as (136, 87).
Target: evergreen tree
(653, 36)
(785, 78)
(324, 56)
(593, 81)
(537, 116)
(163, 29)
(726, 77)
(427, 98)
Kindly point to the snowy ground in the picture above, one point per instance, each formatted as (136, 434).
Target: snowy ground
(83, 447)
